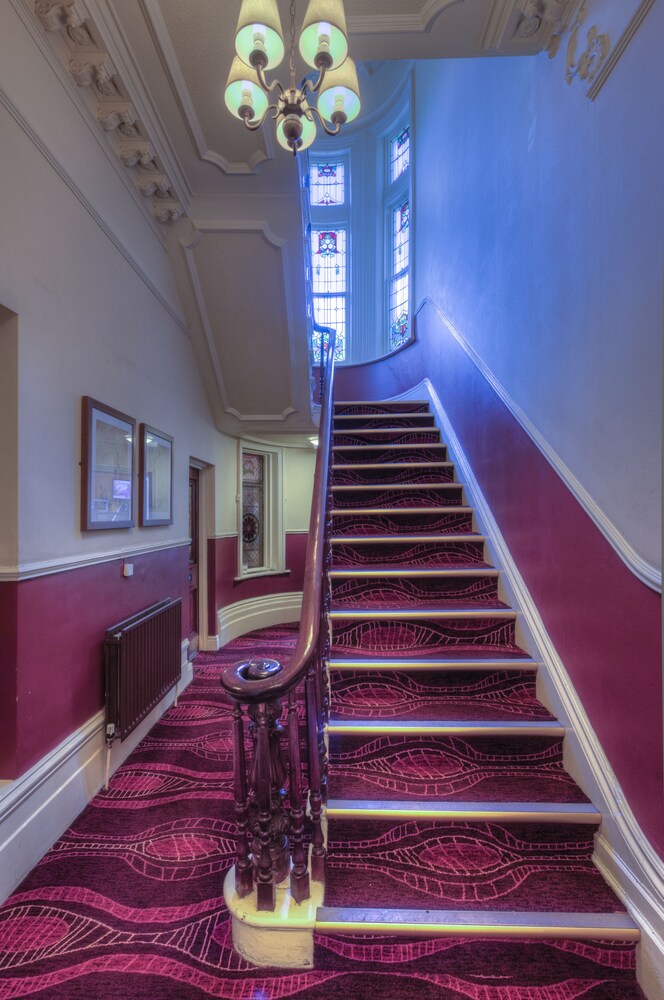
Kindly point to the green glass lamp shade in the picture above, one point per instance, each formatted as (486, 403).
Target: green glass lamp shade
(243, 88)
(340, 92)
(324, 30)
(259, 27)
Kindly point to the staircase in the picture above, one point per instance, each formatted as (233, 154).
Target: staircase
(450, 815)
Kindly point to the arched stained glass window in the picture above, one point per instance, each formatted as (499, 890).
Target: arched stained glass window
(327, 184)
(399, 304)
(329, 272)
(400, 153)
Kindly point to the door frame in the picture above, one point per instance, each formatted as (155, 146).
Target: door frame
(206, 641)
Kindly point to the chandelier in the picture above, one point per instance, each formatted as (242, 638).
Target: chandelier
(259, 45)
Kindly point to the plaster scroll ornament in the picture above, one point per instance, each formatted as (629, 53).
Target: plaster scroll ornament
(138, 154)
(590, 60)
(96, 69)
(69, 14)
(120, 115)
(158, 185)
(168, 212)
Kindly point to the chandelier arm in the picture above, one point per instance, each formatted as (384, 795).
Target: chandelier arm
(266, 87)
(321, 76)
(253, 126)
(310, 112)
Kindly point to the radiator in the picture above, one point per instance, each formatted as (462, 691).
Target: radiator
(141, 658)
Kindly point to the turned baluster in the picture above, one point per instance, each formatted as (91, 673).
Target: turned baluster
(244, 881)
(299, 878)
(315, 796)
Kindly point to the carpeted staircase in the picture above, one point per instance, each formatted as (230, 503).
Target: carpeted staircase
(450, 814)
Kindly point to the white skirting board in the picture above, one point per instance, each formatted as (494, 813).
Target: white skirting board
(37, 808)
(258, 612)
(622, 852)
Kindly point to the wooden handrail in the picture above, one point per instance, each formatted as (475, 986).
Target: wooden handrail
(254, 681)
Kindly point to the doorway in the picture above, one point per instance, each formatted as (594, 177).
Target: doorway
(194, 556)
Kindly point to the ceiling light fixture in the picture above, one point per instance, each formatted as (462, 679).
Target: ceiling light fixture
(323, 45)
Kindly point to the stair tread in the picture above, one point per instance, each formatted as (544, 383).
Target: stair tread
(550, 920)
(384, 511)
(463, 808)
(440, 609)
(452, 662)
(354, 466)
(409, 569)
(504, 726)
(467, 536)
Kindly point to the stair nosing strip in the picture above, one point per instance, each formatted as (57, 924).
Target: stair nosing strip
(498, 727)
(391, 465)
(406, 539)
(528, 923)
(404, 570)
(413, 663)
(443, 509)
(337, 613)
(583, 813)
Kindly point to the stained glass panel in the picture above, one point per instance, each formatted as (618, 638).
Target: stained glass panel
(327, 184)
(330, 310)
(400, 237)
(400, 153)
(329, 271)
(253, 510)
(399, 308)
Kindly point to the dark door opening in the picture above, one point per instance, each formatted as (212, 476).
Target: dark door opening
(194, 521)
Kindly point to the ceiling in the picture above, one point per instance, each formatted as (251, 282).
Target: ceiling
(226, 200)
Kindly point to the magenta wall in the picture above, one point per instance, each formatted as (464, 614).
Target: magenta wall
(223, 568)
(604, 623)
(52, 627)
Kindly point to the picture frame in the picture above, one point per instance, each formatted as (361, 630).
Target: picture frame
(155, 479)
(107, 467)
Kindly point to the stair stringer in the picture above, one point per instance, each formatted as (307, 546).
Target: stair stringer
(622, 853)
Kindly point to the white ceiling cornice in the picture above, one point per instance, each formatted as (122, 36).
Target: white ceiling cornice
(389, 24)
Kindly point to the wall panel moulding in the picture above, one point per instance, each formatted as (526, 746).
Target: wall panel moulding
(75, 39)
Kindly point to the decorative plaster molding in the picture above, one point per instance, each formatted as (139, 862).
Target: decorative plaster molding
(195, 234)
(138, 154)
(622, 852)
(390, 24)
(91, 210)
(618, 50)
(93, 69)
(647, 573)
(47, 567)
(168, 211)
(587, 65)
(515, 25)
(160, 33)
(258, 612)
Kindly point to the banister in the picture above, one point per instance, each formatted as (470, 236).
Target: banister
(246, 681)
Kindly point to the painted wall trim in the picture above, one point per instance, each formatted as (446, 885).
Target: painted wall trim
(258, 612)
(619, 48)
(91, 210)
(28, 571)
(633, 867)
(647, 573)
(37, 808)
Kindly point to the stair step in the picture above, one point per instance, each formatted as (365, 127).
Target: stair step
(387, 474)
(407, 437)
(396, 694)
(503, 812)
(373, 407)
(396, 419)
(434, 663)
(397, 496)
(465, 864)
(433, 611)
(478, 923)
(395, 454)
(429, 552)
(510, 765)
(446, 727)
(401, 511)
(407, 569)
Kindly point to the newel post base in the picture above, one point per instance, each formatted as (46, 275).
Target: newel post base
(283, 937)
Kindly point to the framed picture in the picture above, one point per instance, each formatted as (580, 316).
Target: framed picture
(107, 467)
(155, 483)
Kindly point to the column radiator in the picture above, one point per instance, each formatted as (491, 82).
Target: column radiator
(141, 658)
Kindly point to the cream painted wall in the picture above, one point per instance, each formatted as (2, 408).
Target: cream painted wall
(539, 224)
(298, 486)
(89, 324)
(8, 437)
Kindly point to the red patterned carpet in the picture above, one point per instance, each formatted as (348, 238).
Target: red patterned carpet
(128, 901)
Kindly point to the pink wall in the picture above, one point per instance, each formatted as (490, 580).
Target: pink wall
(52, 684)
(605, 623)
(222, 569)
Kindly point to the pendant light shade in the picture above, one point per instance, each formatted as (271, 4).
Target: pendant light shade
(324, 32)
(308, 133)
(243, 90)
(340, 92)
(259, 30)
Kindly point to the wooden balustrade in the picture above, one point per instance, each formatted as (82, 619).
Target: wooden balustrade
(270, 793)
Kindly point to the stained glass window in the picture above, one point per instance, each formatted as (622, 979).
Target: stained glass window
(400, 153)
(329, 274)
(327, 184)
(253, 510)
(399, 306)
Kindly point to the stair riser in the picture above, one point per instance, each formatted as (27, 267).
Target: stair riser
(414, 553)
(383, 498)
(395, 591)
(382, 475)
(340, 438)
(398, 637)
(369, 454)
(370, 409)
(452, 523)
(467, 768)
(362, 421)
